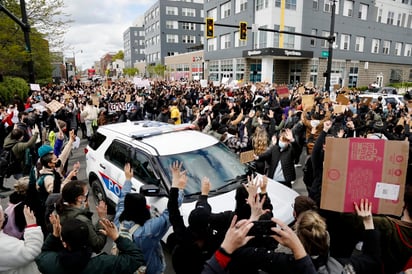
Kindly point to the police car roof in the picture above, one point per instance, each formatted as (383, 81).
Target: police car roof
(167, 139)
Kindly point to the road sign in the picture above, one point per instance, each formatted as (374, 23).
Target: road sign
(325, 53)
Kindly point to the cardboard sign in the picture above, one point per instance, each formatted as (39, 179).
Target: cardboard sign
(357, 168)
(301, 90)
(247, 156)
(336, 86)
(95, 100)
(283, 92)
(308, 101)
(338, 109)
(128, 98)
(342, 99)
(54, 106)
(365, 100)
(203, 83)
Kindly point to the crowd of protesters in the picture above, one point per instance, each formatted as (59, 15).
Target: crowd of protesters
(49, 225)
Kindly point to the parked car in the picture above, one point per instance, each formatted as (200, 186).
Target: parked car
(151, 147)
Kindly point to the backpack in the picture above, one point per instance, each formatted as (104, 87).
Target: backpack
(332, 266)
(126, 233)
(8, 163)
(11, 227)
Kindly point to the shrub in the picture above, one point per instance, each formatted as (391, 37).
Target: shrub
(13, 86)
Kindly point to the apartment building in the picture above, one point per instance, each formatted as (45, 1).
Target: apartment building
(165, 35)
(373, 41)
(134, 45)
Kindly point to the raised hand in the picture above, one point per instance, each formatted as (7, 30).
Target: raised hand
(128, 171)
(55, 221)
(205, 186)
(109, 229)
(236, 235)
(364, 210)
(29, 216)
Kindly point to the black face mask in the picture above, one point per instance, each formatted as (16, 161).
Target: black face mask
(58, 163)
(26, 121)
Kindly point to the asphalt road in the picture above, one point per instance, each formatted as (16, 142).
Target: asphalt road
(78, 155)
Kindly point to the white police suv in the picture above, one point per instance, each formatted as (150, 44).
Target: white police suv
(151, 147)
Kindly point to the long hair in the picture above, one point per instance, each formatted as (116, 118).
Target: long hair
(311, 230)
(135, 209)
(260, 140)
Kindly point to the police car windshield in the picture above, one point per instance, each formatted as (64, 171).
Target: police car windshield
(216, 162)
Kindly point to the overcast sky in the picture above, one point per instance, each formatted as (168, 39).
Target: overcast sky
(98, 27)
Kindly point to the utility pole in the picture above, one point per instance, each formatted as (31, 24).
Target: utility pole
(24, 24)
(330, 52)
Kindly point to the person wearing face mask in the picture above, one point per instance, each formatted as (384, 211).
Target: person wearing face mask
(14, 142)
(280, 158)
(73, 204)
(50, 178)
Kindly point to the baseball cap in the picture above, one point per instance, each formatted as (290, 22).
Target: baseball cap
(44, 149)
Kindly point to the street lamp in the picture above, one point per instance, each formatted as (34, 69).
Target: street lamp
(331, 39)
(74, 61)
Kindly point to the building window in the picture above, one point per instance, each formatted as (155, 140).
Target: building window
(386, 47)
(398, 49)
(313, 40)
(344, 41)
(262, 39)
(238, 42)
(348, 8)
(188, 39)
(315, 4)
(172, 11)
(212, 44)
(360, 41)
(375, 45)
(225, 10)
(277, 3)
(314, 66)
(325, 43)
(398, 23)
(379, 19)
(363, 12)
(353, 77)
(188, 12)
(289, 39)
(241, 5)
(276, 37)
(212, 14)
(291, 4)
(408, 50)
(261, 4)
(171, 25)
(225, 42)
(188, 26)
(389, 20)
(327, 7)
(172, 38)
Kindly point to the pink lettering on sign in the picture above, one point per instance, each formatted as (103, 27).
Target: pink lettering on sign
(364, 171)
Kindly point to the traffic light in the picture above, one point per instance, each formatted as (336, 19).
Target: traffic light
(210, 28)
(243, 31)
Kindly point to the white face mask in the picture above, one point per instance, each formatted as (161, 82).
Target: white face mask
(282, 145)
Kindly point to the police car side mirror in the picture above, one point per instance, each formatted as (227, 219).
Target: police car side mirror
(150, 190)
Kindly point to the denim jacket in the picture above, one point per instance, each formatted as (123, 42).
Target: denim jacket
(147, 237)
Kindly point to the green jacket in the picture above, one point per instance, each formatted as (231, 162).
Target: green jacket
(19, 148)
(128, 261)
(96, 239)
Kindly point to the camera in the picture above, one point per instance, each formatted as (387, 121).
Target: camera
(262, 228)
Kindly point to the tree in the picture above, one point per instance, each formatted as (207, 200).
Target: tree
(130, 71)
(118, 55)
(156, 70)
(13, 86)
(48, 24)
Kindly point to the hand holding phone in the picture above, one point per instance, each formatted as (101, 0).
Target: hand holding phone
(262, 228)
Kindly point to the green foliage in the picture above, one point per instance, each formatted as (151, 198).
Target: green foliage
(363, 88)
(12, 86)
(401, 85)
(119, 55)
(130, 71)
(157, 70)
(48, 24)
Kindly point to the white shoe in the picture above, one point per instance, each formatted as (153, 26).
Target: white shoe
(298, 165)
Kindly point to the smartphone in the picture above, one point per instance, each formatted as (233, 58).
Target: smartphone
(262, 228)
